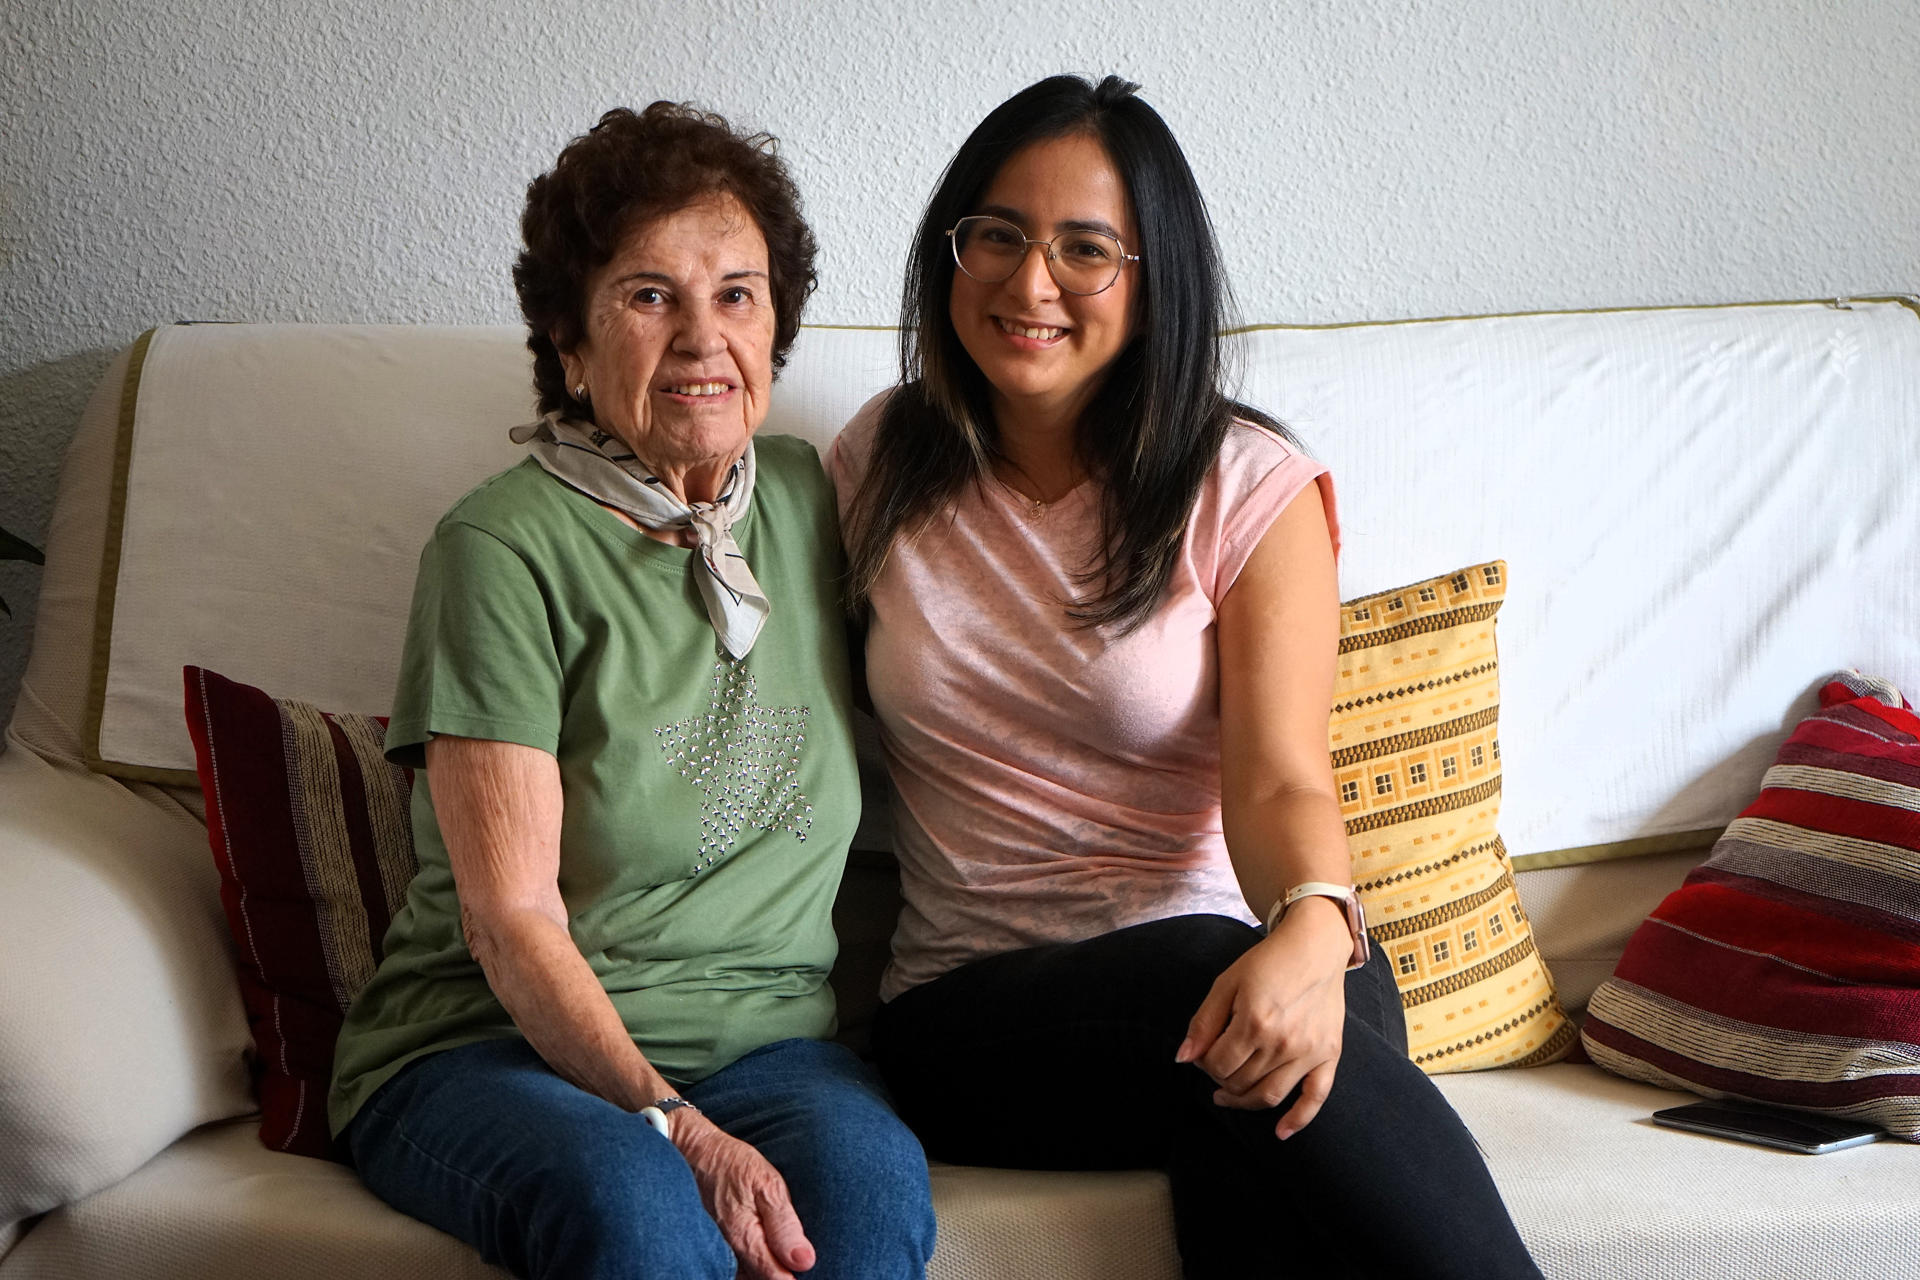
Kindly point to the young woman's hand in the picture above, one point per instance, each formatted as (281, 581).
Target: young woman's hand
(746, 1197)
(1274, 1019)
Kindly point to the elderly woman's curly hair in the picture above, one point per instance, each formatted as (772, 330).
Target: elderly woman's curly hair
(626, 171)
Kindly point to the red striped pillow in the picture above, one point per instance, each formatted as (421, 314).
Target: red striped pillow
(309, 826)
(1786, 969)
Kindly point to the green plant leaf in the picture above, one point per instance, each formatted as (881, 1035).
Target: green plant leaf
(12, 548)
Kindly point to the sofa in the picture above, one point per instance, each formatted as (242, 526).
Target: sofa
(1702, 511)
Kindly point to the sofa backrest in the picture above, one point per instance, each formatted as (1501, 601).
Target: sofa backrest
(1704, 511)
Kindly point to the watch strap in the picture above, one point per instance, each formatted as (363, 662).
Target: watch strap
(1349, 899)
(656, 1112)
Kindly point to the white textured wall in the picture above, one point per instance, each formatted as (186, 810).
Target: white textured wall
(342, 160)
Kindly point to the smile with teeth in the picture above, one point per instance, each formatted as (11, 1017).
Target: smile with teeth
(1028, 331)
(699, 389)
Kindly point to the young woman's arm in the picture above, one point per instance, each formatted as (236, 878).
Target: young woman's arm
(1274, 1019)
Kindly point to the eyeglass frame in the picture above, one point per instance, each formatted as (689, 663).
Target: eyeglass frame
(1027, 243)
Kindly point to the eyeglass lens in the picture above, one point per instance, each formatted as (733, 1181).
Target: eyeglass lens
(991, 249)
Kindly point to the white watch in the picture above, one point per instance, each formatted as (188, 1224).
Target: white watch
(657, 1112)
(1346, 895)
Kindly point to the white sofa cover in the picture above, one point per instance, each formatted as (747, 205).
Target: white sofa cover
(1704, 511)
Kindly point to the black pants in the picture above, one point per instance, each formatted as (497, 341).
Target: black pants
(1061, 1057)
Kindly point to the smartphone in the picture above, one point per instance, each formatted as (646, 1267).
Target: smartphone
(1801, 1131)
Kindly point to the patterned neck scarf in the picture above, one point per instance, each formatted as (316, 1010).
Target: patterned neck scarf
(600, 465)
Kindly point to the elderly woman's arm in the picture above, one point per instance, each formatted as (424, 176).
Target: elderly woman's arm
(499, 806)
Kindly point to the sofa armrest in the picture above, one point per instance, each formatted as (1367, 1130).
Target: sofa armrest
(120, 1019)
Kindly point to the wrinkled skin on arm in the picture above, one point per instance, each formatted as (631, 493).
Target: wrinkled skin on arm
(499, 806)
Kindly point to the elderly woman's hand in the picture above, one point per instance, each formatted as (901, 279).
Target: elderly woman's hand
(746, 1196)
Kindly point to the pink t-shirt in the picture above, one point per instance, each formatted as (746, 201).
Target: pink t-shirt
(1053, 783)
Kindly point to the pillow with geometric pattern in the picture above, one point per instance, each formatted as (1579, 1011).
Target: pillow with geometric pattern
(1415, 736)
(1786, 968)
(308, 824)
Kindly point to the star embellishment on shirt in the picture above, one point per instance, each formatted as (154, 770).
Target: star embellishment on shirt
(745, 758)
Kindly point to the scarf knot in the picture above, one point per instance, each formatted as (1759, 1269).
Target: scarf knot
(600, 465)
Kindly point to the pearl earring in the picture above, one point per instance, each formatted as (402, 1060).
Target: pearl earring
(580, 393)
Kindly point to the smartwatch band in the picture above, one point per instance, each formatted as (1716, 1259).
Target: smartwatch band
(1347, 896)
(656, 1112)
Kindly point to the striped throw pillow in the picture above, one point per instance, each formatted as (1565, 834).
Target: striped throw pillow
(1786, 969)
(309, 827)
(1416, 757)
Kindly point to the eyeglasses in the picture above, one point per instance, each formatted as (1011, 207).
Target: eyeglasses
(991, 249)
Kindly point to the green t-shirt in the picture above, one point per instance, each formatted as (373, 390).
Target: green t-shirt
(708, 803)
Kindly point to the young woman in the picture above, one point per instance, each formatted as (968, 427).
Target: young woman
(1102, 622)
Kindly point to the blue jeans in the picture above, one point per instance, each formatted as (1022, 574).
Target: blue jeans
(486, 1143)
(1061, 1057)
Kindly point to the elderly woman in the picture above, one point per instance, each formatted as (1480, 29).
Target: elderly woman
(596, 1047)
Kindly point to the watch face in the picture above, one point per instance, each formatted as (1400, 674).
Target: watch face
(1357, 922)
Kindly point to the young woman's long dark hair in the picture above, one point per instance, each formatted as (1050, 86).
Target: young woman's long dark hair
(1154, 427)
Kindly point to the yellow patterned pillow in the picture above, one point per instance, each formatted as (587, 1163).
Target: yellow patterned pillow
(1416, 762)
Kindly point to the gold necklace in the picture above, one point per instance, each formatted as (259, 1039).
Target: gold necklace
(1035, 507)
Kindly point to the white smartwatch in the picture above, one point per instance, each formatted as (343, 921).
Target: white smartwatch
(1346, 895)
(656, 1114)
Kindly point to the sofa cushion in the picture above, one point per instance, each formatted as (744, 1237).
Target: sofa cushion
(1416, 756)
(272, 486)
(1668, 485)
(119, 1026)
(308, 824)
(1786, 969)
(1452, 441)
(1595, 1189)
(217, 1205)
(314, 461)
(1598, 1191)
(1583, 915)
